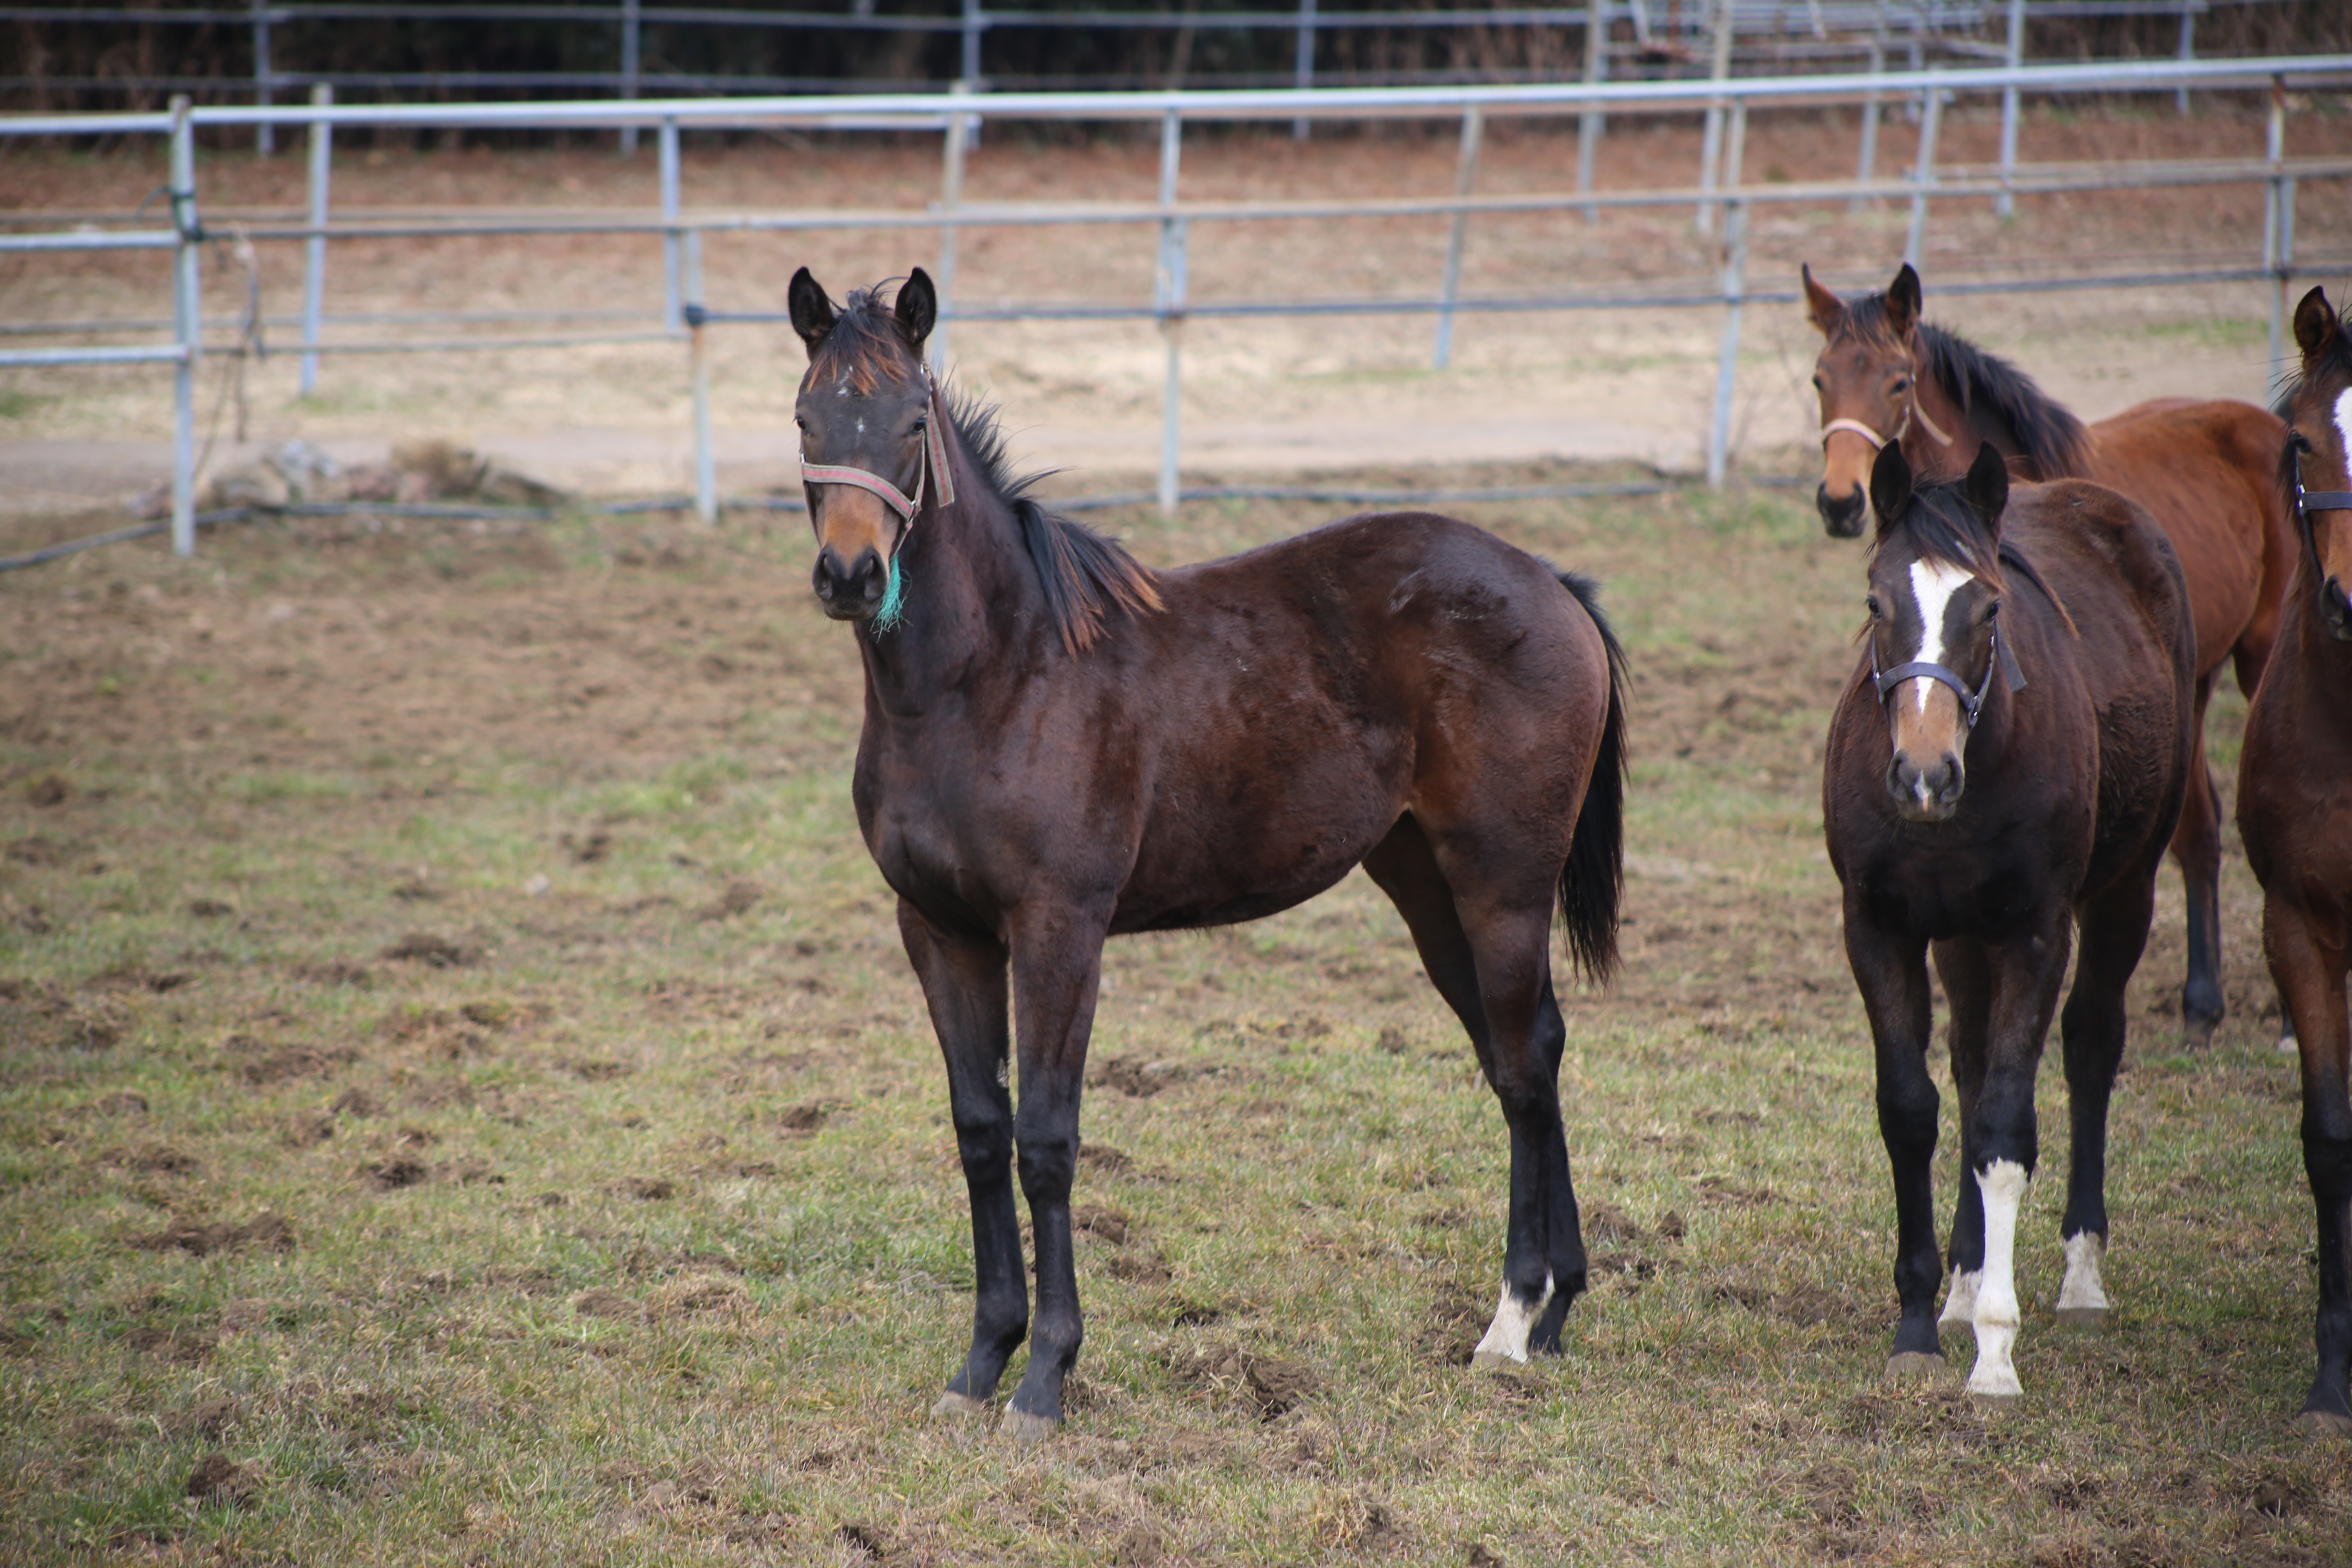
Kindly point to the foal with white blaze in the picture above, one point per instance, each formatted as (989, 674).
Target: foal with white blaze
(2007, 766)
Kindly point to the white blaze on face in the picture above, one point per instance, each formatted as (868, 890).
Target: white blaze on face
(2343, 421)
(1932, 587)
(2003, 1186)
(2084, 1291)
(1506, 1336)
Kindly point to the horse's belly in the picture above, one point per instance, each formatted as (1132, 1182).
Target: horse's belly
(1210, 867)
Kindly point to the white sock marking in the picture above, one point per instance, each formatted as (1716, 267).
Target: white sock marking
(2083, 1289)
(1960, 1302)
(1506, 1336)
(2003, 1186)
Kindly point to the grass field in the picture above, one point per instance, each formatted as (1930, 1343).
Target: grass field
(461, 1100)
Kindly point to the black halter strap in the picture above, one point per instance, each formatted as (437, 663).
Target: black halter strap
(1971, 701)
(2308, 501)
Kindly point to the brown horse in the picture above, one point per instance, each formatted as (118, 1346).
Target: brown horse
(2007, 760)
(2295, 811)
(2203, 470)
(1062, 745)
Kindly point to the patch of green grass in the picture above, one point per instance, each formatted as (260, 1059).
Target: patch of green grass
(622, 1220)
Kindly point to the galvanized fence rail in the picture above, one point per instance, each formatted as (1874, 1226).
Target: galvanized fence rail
(685, 315)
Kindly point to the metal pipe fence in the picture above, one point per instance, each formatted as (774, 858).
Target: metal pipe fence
(688, 318)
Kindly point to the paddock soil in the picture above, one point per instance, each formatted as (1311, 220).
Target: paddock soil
(1264, 397)
(461, 1100)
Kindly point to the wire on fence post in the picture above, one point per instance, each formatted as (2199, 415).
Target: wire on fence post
(1303, 74)
(1168, 289)
(1923, 174)
(952, 155)
(265, 135)
(189, 322)
(1866, 164)
(1735, 290)
(1466, 176)
(2004, 203)
(632, 36)
(314, 245)
(671, 299)
(2187, 53)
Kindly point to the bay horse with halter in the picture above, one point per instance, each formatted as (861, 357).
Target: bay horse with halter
(2205, 472)
(2295, 811)
(2006, 764)
(1063, 745)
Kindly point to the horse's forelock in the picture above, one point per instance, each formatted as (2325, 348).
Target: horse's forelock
(1943, 530)
(865, 351)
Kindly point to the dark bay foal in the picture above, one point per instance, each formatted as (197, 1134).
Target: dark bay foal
(2295, 811)
(1060, 745)
(2005, 766)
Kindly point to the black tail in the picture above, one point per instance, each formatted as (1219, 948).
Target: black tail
(1593, 881)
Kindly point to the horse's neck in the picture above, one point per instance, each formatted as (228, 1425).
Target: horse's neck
(966, 582)
(1943, 438)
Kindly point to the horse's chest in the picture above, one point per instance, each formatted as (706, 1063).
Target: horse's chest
(1935, 895)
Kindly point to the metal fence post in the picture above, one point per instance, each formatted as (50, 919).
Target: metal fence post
(2187, 53)
(1466, 176)
(632, 41)
(1735, 289)
(1866, 164)
(1303, 74)
(952, 155)
(188, 321)
(1710, 151)
(974, 24)
(671, 298)
(1170, 289)
(2273, 192)
(2004, 203)
(1593, 123)
(265, 135)
(706, 469)
(314, 247)
(1923, 173)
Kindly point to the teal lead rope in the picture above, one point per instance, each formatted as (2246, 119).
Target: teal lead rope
(894, 600)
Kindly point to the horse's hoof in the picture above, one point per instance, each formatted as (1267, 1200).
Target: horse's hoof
(1914, 1363)
(1495, 1360)
(1020, 1426)
(2324, 1424)
(954, 1406)
(2083, 1317)
(1991, 1402)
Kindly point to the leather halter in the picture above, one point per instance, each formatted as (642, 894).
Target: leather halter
(932, 460)
(1911, 410)
(2308, 501)
(1971, 702)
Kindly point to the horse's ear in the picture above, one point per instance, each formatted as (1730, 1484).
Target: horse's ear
(2314, 324)
(1902, 302)
(1825, 307)
(1890, 486)
(917, 309)
(1987, 486)
(812, 312)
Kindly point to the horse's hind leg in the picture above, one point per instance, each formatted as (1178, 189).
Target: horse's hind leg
(2197, 845)
(1499, 985)
(963, 984)
(2114, 933)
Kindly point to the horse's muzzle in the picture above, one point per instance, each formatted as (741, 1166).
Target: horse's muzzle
(1841, 515)
(2335, 610)
(854, 591)
(1928, 794)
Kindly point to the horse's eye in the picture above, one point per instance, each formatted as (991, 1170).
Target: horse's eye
(1816, 383)
(919, 426)
(1902, 383)
(1871, 605)
(1991, 611)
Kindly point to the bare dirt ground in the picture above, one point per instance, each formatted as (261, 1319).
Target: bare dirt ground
(1262, 396)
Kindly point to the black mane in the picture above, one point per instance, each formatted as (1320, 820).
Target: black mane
(2046, 435)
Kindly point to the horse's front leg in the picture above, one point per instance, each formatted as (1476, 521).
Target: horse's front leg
(2004, 1139)
(962, 977)
(2310, 973)
(2091, 1031)
(1057, 969)
(1891, 972)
